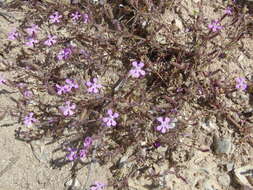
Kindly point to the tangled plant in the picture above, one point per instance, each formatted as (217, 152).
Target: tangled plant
(173, 71)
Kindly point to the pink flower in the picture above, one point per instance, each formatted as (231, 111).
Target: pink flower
(28, 94)
(109, 121)
(215, 26)
(87, 142)
(72, 154)
(64, 54)
(67, 110)
(29, 120)
(83, 153)
(241, 83)
(229, 11)
(165, 124)
(93, 86)
(137, 71)
(32, 30)
(13, 35)
(85, 18)
(75, 16)
(51, 40)
(98, 186)
(31, 42)
(55, 17)
(70, 84)
(84, 53)
(61, 89)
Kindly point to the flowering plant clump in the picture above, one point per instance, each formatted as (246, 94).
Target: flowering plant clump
(109, 76)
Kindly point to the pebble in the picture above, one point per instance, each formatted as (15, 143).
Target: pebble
(74, 184)
(224, 180)
(229, 166)
(222, 145)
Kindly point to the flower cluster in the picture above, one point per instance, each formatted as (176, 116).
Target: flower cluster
(56, 17)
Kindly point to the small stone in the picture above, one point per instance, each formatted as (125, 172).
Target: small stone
(222, 146)
(73, 183)
(224, 180)
(229, 167)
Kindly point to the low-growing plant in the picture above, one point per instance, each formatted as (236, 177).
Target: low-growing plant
(98, 75)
